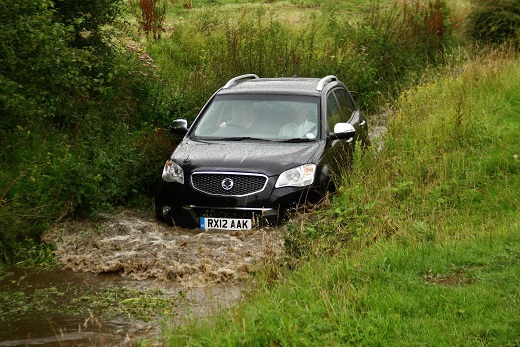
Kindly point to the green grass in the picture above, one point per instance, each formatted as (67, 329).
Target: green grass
(392, 294)
(368, 45)
(421, 246)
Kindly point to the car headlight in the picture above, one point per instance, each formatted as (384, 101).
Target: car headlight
(300, 176)
(172, 172)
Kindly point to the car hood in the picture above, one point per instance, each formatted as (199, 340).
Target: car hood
(270, 158)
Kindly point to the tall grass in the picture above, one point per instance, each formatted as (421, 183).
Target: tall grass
(427, 228)
(375, 50)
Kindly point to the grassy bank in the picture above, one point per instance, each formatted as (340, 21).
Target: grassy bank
(421, 247)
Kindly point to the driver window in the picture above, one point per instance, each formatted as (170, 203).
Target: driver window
(333, 112)
(345, 104)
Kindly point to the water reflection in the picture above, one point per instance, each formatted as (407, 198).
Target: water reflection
(65, 308)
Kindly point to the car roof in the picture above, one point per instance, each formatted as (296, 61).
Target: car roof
(284, 85)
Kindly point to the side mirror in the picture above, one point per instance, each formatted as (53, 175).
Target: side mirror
(343, 131)
(179, 127)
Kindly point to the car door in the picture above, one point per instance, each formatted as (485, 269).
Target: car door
(339, 152)
(351, 113)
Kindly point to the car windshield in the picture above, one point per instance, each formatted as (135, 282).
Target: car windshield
(261, 117)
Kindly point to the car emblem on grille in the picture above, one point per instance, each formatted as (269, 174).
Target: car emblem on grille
(227, 183)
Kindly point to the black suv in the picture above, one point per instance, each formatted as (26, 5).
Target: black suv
(259, 147)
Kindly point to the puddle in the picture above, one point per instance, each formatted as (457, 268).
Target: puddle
(65, 308)
(44, 310)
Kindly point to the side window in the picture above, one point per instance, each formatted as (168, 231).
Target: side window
(333, 112)
(346, 105)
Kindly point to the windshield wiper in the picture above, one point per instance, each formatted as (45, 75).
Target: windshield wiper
(298, 139)
(240, 138)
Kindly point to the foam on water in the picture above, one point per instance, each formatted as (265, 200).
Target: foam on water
(135, 245)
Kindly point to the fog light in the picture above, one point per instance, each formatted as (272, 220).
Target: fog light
(166, 210)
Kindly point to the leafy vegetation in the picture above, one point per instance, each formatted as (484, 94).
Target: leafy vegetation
(78, 116)
(150, 15)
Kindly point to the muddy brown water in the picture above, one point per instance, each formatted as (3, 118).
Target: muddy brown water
(84, 328)
(129, 249)
(134, 245)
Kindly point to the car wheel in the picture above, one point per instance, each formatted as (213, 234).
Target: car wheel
(327, 182)
(161, 216)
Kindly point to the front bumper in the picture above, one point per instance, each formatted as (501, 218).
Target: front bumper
(182, 205)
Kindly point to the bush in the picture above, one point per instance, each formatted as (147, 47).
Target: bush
(52, 175)
(400, 40)
(150, 15)
(496, 22)
(36, 63)
(78, 117)
(88, 21)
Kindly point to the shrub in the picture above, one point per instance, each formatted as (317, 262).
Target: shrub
(76, 131)
(35, 63)
(88, 21)
(495, 22)
(399, 40)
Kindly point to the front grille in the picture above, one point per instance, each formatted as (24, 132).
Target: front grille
(242, 184)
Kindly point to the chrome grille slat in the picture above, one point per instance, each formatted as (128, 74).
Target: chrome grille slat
(243, 183)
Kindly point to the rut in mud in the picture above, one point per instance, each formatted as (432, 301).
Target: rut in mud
(135, 245)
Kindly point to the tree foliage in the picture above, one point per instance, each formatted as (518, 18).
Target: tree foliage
(76, 113)
(55, 58)
(87, 20)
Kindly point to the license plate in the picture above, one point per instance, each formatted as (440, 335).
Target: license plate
(225, 223)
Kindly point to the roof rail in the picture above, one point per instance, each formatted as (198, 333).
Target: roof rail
(238, 78)
(325, 80)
